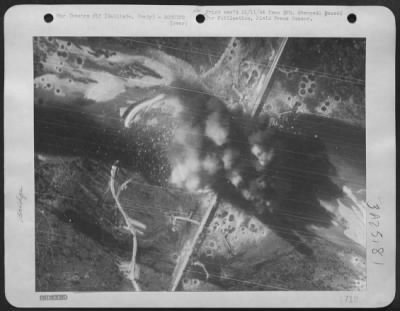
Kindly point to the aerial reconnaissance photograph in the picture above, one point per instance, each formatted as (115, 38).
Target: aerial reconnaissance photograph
(199, 164)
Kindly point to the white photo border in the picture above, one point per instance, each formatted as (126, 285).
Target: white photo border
(23, 22)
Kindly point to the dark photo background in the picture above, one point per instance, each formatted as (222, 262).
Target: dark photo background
(285, 157)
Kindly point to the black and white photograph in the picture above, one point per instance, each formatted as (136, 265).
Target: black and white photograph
(199, 164)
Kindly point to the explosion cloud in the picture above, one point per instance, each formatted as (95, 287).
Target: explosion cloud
(210, 147)
(247, 162)
(215, 130)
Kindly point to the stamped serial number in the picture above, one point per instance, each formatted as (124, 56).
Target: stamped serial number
(53, 297)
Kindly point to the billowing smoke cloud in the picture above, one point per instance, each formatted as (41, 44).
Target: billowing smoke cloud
(214, 147)
(185, 157)
(228, 157)
(215, 130)
(262, 152)
(269, 173)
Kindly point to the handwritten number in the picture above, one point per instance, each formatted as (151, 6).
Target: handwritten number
(376, 206)
(375, 216)
(376, 234)
(374, 224)
(378, 251)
